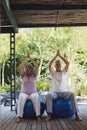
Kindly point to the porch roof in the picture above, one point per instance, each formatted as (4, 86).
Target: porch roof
(42, 13)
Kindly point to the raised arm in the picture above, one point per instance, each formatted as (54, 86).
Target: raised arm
(51, 68)
(21, 66)
(64, 60)
(36, 68)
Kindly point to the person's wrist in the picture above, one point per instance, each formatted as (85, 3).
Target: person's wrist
(26, 57)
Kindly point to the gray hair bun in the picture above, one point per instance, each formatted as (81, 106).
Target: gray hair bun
(29, 65)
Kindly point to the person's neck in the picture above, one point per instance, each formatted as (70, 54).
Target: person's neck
(28, 75)
(58, 70)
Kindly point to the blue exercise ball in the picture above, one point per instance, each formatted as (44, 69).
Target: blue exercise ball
(29, 112)
(62, 108)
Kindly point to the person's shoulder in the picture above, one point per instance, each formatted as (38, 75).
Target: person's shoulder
(64, 71)
(52, 72)
(22, 75)
(34, 74)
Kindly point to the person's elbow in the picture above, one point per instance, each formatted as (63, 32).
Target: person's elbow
(67, 66)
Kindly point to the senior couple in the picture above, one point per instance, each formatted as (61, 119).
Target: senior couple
(28, 90)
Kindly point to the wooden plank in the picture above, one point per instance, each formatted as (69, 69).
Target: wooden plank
(58, 124)
(53, 124)
(14, 126)
(43, 126)
(11, 123)
(8, 120)
(19, 126)
(75, 124)
(49, 125)
(38, 125)
(63, 124)
(70, 127)
(71, 121)
(25, 123)
(29, 125)
(83, 113)
(33, 127)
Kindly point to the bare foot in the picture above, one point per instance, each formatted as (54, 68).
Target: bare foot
(48, 118)
(39, 119)
(18, 120)
(78, 118)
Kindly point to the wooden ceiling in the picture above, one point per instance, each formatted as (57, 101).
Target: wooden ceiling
(42, 13)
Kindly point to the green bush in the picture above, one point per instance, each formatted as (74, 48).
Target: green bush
(18, 84)
(43, 85)
(5, 88)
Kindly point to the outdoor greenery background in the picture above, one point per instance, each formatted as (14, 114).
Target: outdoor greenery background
(43, 44)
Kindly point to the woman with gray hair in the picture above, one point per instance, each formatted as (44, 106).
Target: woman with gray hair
(28, 90)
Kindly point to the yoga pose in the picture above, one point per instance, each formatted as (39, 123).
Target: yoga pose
(28, 90)
(59, 86)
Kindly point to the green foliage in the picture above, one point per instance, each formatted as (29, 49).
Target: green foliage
(7, 69)
(4, 47)
(43, 86)
(5, 88)
(18, 83)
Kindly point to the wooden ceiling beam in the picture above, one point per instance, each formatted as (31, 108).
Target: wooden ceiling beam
(11, 30)
(51, 25)
(41, 7)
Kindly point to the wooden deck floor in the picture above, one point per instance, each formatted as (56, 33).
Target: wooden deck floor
(7, 122)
